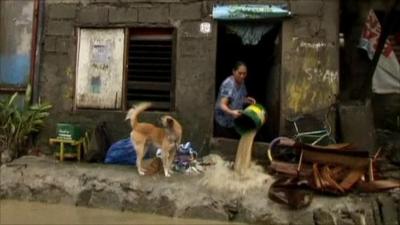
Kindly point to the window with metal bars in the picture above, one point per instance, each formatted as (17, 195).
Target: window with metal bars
(150, 67)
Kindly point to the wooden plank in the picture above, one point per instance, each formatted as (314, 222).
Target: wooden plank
(327, 175)
(349, 151)
(99, 80)
(316, 176)
(338, 159)
(378, 185)
(351, 179)
(290, 168)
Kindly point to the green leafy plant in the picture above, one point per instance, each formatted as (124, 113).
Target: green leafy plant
(19, 122)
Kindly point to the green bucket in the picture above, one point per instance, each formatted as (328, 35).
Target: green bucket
(69, 131)
(252, 118)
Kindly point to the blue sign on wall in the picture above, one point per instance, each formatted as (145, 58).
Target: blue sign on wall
(249, 11)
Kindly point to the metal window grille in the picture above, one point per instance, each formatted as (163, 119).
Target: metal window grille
(150, 70)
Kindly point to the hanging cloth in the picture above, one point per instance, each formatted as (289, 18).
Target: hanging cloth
(250, 34)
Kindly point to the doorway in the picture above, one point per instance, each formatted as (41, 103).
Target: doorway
(263, 68)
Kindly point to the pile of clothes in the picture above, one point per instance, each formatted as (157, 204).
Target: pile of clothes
(186, 160)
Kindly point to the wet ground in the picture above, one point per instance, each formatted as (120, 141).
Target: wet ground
(216, 195)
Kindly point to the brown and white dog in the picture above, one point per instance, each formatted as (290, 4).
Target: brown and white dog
(167, 138)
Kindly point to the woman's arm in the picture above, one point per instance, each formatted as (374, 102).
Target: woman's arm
(224, 105)
(250, 100)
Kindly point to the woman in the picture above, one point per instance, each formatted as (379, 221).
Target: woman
(232, 97)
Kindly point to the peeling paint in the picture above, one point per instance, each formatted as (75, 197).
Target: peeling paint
(313, 81)
(14, 69)
(99, 76)
(298, 95)
(15, 46)
(25, 22)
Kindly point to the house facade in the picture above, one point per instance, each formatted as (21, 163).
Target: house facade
(98, 57)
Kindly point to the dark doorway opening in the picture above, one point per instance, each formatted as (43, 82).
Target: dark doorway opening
(263, 67)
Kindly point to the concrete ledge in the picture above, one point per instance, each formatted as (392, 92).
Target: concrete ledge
(227, 147)
(120, 187)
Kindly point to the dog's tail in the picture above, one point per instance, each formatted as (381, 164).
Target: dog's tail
(135, 111)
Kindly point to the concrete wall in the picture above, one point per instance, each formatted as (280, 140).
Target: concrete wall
(195, 60)
(310, 59)
(309, 40)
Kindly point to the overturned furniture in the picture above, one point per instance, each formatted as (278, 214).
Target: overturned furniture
(336, 168)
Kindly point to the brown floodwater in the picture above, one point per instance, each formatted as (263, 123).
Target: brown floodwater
(20, 212)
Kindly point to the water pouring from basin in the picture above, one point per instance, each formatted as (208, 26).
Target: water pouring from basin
(247, 125)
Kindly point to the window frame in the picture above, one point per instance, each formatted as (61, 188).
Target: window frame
(172, 83)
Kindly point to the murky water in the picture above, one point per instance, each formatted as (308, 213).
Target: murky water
(243, 154)
(235, 185)
(18, 212)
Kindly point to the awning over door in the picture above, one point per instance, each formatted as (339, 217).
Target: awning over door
(250, 12)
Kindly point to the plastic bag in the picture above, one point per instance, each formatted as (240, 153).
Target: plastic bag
(121, 152)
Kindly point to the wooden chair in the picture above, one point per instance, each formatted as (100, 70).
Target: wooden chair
(79, 145)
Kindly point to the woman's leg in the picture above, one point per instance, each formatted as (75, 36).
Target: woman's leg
(226, 132)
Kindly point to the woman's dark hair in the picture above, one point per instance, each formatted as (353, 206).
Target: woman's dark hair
(238, 64)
